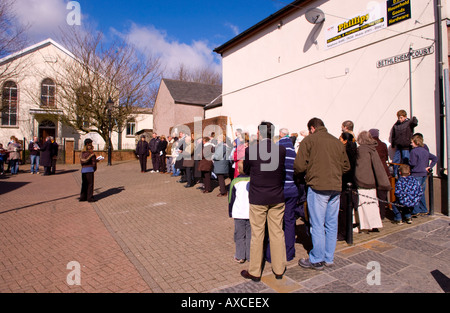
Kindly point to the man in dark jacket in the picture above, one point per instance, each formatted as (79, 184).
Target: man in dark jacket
(34, 148)
(400, 138)
(142, 152)
(154, 143)
(323, 159)
(264, 163)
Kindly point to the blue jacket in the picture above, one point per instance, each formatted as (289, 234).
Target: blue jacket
(419, 160)
(221, 164)
(290, 189)
(408, 191)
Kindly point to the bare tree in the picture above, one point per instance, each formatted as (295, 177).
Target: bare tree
(203, 75)
(12, 39)
(99, 72)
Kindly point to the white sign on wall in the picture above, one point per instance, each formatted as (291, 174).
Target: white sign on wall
(405, 56)
(359, 25)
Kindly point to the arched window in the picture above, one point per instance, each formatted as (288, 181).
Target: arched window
(10, 96)
(48, 92)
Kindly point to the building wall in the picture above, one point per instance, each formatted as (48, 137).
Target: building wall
(163, 111)
(185, 114)
(287, 75)
(38, 65)
(168, 114)
(210, 113)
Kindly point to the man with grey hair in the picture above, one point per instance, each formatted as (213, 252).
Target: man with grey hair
(284, 132)
(46, 156)
(34, 149)
(291, 195)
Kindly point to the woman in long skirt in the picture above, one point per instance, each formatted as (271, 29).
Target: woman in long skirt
(370, 175)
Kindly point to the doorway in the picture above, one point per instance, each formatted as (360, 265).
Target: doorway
(46, 128)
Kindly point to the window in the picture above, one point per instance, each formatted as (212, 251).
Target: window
(48, 91)
(83, 103)
(9, 104)
(131, 128)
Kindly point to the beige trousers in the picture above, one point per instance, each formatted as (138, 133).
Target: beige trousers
(273, 215)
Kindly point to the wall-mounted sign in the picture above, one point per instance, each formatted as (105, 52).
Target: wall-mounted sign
(358, 26)
(405, 56)
(398, 11)
(380, 16)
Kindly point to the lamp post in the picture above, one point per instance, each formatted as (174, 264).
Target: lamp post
(110, 105)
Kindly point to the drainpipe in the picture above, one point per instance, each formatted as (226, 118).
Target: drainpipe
(410, 82)
(444, 98)
(447, 114)
(440, 86)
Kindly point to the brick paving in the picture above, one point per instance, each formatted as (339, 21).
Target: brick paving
(147, 233)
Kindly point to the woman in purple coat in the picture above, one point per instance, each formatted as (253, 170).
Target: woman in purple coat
(419, 160)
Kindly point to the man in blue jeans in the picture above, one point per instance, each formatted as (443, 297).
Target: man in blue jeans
(323, 160)
(34, 149)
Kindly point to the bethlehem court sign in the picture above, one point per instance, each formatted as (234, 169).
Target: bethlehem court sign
(405, 56)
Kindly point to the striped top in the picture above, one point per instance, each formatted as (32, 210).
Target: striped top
(290, 189)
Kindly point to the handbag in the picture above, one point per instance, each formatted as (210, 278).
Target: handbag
(205, 165)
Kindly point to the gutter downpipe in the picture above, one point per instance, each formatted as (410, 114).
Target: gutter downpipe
(447, 114)
(444, 101)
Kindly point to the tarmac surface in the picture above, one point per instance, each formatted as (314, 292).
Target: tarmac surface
(149, 234)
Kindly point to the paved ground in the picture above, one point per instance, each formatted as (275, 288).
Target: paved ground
(147, 233)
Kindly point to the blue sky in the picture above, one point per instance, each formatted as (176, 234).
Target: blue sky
(184, 20)
(183, 31)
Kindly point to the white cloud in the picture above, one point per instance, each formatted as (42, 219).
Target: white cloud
(44, 18)
(234, 28)
(47, 18)
(172, 53)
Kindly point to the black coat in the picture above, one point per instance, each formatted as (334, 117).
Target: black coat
(154, 143)
(401, 133)
(142, 148)
(31, 148)
(267, 172)
(46, 154)
(162, 146)
(54, 149)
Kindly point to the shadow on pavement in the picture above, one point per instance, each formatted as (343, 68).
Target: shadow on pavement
(38, 203)
(442, 280)
(58, 172)
(109, 192)
(6, 186)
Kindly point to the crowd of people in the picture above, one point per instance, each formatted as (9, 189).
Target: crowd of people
(309, 179)
(44, 154)
(277, 178)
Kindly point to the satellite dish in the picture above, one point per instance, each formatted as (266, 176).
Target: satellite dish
(315, 16)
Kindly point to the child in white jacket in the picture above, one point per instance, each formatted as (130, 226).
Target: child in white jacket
(239, 208)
